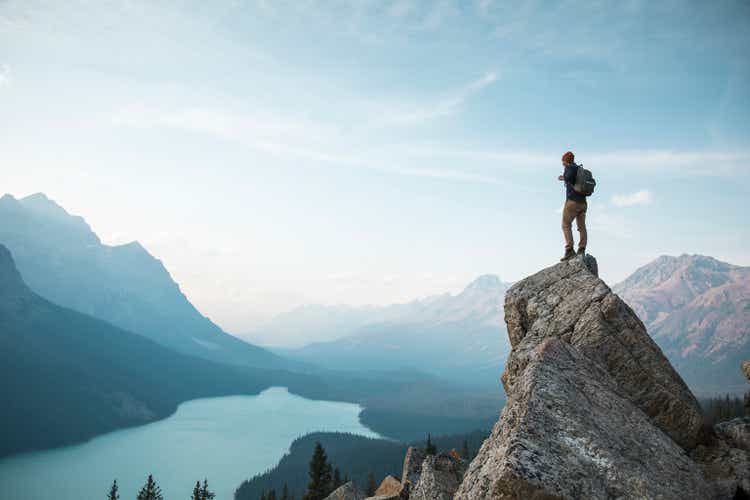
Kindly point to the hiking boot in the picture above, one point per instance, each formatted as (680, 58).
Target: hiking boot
(582, 251)
(569, 254)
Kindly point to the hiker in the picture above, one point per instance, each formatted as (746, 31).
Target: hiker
(574, 208)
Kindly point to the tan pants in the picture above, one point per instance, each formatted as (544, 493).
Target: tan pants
(574, 210)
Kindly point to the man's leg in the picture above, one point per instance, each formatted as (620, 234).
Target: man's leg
(567, 222)
(581, 225)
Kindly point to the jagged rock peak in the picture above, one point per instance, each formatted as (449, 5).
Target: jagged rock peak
(594, 408)
(485, 282)
(390, 488)
(569, 302)
(439, 478)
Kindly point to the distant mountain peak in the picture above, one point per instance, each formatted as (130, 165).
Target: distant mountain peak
(485, 282)
(43, 205)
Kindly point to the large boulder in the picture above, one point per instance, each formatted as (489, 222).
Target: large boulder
(568, 431)
(439, 479)
(390, 488)
(569, 302)
(348, 491)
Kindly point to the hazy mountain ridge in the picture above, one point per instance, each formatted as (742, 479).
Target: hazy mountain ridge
(63, 260)
(460, 335)
(697, 309)
(69, 376)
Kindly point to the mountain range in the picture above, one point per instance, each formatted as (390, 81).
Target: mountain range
(460, 336)
(64, 261)
(697, 309)
(67, 376)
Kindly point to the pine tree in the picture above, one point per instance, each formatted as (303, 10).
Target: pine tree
(320, 475)
(150, 490)
(430, 448)
(197, 492)
(321, 481)
(372, 486)
(263, 495)
(285, 493)
(465, 450)
(271, 495)
(337, 478)
(206, 494)
(114, 492)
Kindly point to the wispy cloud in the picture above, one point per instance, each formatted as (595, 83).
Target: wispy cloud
(5, 80)
(702, 163)
(448, 105)
(642, 197)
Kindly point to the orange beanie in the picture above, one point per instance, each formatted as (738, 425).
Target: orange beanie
(568, 157)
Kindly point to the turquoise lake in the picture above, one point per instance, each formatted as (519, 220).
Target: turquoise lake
(227, 440)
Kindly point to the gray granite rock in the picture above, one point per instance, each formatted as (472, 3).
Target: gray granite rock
(348, 491)
(569, 302)
(439, 479)
(735, 432)
(726, 468)
(567, 431)
(412, 467)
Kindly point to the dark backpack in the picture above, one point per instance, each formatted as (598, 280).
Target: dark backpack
(585, 182)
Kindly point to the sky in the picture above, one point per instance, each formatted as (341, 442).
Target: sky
(275, 153)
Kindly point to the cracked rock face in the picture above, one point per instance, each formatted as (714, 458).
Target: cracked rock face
(412, 467)
(567, 432)
(594, 408)
(569, 302)
(439, 478)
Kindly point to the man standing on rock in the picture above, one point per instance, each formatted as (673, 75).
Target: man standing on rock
(574, 208)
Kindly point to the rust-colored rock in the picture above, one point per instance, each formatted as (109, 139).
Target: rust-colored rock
(390, 487)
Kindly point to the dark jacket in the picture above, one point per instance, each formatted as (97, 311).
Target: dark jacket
(570, 178)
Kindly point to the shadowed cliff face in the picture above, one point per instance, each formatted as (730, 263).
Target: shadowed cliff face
(68, 377)
(61, 259)
(594, 408)
(13, 291)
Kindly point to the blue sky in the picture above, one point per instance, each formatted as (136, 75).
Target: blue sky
(280, 153)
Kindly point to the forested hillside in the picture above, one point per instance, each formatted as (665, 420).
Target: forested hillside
(356, 457)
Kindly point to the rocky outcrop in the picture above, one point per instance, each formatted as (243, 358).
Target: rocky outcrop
(594, 408)
(412, 467)
(726, 468)
(569, 302)
(390, 488)
(348, 491)
(746, 369)
(735, 432)
(439, 479)
(567, 432)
